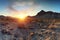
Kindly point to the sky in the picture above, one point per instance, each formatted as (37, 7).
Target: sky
(28, 7)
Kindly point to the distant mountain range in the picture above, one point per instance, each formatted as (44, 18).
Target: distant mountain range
(43, 14)
(48, 14)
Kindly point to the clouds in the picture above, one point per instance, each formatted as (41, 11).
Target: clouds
(30, 7)
(22, 6)
(21, 3)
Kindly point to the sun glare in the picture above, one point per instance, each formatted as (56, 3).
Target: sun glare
(21, 16)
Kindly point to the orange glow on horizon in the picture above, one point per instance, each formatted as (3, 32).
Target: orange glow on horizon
(21, 16)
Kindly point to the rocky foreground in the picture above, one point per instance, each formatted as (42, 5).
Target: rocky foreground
(39, 27)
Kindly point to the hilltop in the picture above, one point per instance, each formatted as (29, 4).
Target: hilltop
(43, 26)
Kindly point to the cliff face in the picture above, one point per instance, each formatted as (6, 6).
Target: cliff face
(43, 26)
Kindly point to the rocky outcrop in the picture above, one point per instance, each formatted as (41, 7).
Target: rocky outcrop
(43, 26)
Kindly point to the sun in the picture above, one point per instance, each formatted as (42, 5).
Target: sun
(21, 16)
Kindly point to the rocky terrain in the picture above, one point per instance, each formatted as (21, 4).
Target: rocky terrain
(43, 26)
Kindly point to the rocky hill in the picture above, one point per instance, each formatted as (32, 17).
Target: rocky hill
(43, 26)
(48, 14)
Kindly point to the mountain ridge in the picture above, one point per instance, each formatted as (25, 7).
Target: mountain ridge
(48, 15)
